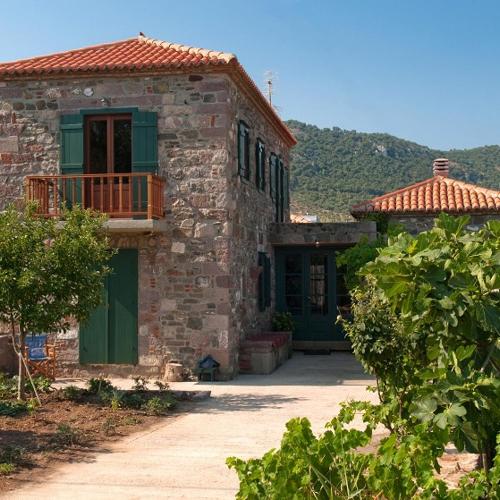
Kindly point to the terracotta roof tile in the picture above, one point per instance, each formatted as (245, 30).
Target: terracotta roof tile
(434, 195)
(134, 54)
(141, 54)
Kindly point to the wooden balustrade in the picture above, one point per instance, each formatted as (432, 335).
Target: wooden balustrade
(118, 195)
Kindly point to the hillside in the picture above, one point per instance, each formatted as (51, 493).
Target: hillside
(333, 169)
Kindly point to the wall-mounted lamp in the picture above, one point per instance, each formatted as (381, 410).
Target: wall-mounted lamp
(316, 244)
(105, 101)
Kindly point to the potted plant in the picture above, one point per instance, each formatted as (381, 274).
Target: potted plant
(283, 322)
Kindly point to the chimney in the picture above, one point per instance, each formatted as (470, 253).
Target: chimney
(440, 166)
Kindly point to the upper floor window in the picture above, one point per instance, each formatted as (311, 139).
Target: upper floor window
(260, 165)
(273, 176)
(280, 183)
(244, 150)
(278, 177)
(108, 144)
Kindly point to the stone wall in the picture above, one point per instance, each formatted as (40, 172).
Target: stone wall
(8, 358)
(320, 234)
(252, 213)
(198, 279)
(417, 224)
(186, 275)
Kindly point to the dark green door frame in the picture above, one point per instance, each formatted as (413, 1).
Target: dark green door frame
(306, 286)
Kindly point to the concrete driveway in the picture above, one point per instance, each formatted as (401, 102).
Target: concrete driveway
(185, 457)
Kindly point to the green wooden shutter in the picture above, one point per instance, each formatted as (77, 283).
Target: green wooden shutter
(281, 197)
(286, 189)
(260, 165)
(243, 150)
(123, 307)
(71, 131)
(272, 175)
(263, 169)
(144, 141)
(258, 154)
(94, 333)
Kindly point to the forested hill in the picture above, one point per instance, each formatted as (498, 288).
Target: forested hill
(333, 169)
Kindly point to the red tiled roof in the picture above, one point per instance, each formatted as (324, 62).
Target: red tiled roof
(142, 55)
(434, 195)
(134, 54)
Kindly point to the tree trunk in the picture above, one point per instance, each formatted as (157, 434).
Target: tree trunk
(21, 393)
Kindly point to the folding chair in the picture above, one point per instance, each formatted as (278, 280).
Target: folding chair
(40, 356)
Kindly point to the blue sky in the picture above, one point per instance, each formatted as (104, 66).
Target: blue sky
(424, 70)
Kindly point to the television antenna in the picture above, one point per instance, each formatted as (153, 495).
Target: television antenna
(269, 79)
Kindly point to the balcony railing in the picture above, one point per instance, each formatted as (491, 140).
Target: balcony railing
(118, 195)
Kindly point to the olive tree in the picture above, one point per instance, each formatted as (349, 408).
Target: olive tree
(51, 272)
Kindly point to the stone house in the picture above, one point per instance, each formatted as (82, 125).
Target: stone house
(416, 206)
(190, 161)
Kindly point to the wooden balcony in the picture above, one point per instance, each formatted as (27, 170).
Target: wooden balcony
(122, 196)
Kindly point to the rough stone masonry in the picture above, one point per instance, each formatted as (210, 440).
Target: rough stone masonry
(197, 279)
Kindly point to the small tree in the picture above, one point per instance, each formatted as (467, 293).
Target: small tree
(441, 292)
(50, 272)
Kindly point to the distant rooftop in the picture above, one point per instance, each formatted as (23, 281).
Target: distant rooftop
(434, 195)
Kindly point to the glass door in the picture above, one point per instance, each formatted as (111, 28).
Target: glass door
(306, 287)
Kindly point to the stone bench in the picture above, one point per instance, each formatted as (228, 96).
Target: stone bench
(262, 353)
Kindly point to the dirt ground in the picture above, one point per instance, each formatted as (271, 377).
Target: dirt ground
(92, 427)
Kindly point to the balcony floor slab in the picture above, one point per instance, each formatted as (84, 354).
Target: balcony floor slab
(135, 226)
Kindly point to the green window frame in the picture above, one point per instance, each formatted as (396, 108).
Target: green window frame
(144, 139)
(260, 165)
(244, 150)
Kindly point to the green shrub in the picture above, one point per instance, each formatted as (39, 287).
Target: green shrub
(331, 466)
(10, 458)
(67, 435)
(133, 400)
(158, 405)
(99, 384)
(8, 385)
(140, 384)
(6, 468)
(443, 286)
(161, 385)
(10, 408)
(109, 426)
(283, 322)
(113, 398)
(72, 393)
(12, 454)
(42, 384)
(131, 421)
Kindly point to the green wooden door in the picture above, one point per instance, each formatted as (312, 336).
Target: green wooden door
(110, 334)
(306, 286)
